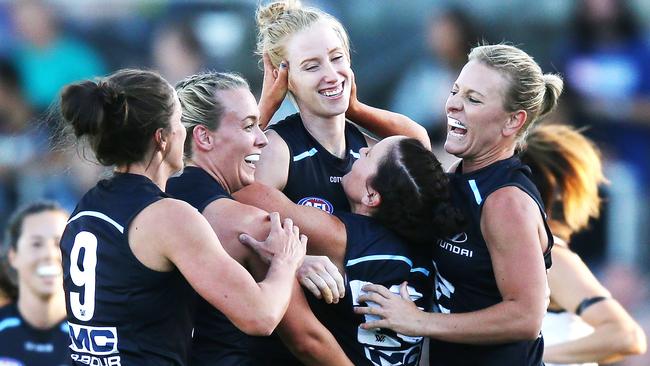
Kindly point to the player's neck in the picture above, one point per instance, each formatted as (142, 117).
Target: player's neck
(41, 312)
(157, 172)
(329, 132)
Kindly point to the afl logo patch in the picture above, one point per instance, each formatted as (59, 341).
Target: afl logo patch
(318, 203)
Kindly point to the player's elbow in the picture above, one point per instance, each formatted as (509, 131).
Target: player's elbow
(631, 340)
(260, 325)
(305, 348)
(528, 324)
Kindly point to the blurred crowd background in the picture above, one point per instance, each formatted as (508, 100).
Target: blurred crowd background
(406, 55)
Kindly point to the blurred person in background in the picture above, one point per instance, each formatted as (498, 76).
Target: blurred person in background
(33, 329)
(605, 63)
(584, 324)
(177, 51)
(21, 143)
(422, 91)
(29, 168)
(48, 57)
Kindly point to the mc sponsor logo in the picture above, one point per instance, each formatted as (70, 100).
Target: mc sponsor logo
(317, 202)
(93, 340)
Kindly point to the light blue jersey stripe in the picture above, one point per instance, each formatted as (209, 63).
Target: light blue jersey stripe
(98, 215)
(65, 328)
(9, 323)
(421, 270)
(379, 257)
(477, 194)
(306, 154)
(354, 154)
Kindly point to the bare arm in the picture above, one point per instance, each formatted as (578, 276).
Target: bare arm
(382, 122)
(306, 337)
(273, 167)
(300, 330)
(327, 235)
(516, 253)
(615, 334)
(274, 89)
(185, 239)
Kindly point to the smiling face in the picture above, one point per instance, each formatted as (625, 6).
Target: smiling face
(238, 141)
(475, 113)
(356, 182)
(37, 257)
(319, 72)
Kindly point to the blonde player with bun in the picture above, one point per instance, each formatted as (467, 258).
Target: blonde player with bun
(584, 324)
(306, 53)
(491, 288)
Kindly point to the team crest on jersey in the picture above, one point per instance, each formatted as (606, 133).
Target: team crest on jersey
(318, 203)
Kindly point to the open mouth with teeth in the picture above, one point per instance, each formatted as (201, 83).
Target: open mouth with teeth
(334, 92)
(456, 128)
(252, 159)
(48, 270)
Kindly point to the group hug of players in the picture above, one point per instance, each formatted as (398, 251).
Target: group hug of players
(194, 251)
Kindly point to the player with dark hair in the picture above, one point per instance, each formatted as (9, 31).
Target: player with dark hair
(132, 255)
(33, 330)
(400, 201)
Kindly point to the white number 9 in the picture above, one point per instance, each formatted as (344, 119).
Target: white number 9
(83, 278)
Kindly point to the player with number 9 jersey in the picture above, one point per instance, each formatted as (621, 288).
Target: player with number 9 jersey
(112, 299)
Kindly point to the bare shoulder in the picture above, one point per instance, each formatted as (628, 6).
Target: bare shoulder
(158, 228)
(229, 218)
(511, 214)
(273, 166)
(510, 201)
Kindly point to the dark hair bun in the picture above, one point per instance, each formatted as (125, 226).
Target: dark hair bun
(119, 114)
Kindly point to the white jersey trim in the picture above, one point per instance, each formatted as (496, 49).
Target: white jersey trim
(98, 215)
(306, 154)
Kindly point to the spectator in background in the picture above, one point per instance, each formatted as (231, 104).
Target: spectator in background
(608, 78)
(177, 52)
(584, 324)
(48, 58)
(422, 92)
(29, 169)
(20, 143)
(605, 63)
(34, 330)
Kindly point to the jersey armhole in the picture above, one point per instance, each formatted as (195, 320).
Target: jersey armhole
(549, 235)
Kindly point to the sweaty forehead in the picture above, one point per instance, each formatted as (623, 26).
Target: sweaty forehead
(317, 40)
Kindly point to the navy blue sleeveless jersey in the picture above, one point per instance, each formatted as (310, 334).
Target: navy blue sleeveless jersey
(376, 255)
(315, 174)
(23, 345)
(465, 279)
(119, 311)
(314, 179)
(216, 341)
